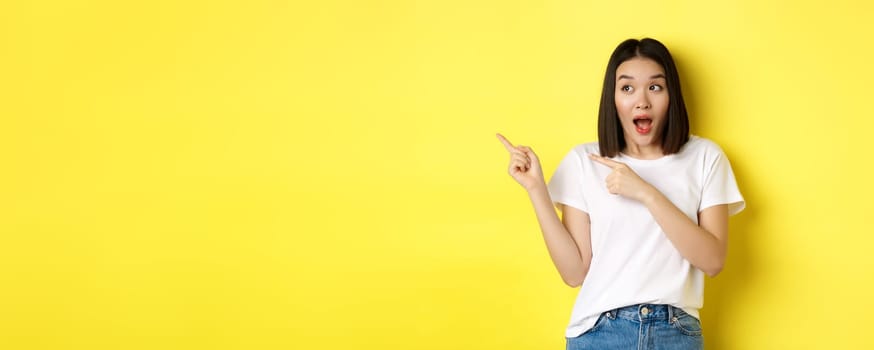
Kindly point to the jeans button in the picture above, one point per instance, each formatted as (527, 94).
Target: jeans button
(644, 311)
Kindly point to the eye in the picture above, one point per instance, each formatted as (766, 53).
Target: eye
(656, 87)
(626, 88)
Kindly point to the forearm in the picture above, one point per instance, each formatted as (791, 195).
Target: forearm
(700, 247)
(563, 250)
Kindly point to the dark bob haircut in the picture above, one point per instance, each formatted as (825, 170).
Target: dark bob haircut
(611, 138)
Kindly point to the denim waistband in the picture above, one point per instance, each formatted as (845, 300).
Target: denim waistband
(647, 312)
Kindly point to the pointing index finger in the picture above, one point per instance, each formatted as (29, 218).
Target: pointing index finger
(608, 162)
(507, 144)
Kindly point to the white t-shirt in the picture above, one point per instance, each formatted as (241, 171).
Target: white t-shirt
(633, 262)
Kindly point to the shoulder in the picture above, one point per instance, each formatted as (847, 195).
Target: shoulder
(584, 149)
(697, 144)
(579, 155)
(704, 151)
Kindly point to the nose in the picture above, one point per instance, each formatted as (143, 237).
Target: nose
(643, 102)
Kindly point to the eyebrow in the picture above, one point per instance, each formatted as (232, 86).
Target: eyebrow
(632, 78)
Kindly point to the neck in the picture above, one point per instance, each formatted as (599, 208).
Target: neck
(651, 151)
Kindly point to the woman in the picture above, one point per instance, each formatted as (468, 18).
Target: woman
(644, 210)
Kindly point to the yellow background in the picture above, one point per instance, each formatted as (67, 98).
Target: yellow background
(324, 175)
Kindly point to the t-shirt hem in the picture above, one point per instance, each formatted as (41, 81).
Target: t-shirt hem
(734, 206)
(569, 202)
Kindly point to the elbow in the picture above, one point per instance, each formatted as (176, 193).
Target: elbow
(712, 272)
(715, 269)
(574, 281)
(575, 277)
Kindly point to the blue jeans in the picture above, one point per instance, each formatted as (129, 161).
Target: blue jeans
(642, 326)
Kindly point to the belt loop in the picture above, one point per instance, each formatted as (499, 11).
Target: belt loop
(670, 314)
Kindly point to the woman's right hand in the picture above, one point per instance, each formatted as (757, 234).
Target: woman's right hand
(524, 165)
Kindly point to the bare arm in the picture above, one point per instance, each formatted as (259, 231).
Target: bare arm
(569, 244)
(705, 245)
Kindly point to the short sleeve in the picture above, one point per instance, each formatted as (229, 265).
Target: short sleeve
(566, 184)
(720, 186)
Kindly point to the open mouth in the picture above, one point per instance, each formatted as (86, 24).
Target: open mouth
(643, 124)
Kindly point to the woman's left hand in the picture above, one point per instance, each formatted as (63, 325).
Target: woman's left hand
(624, 181)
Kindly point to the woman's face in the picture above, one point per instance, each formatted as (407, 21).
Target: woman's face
(642, 101)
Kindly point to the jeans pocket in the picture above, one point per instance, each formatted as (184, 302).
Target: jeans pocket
(602, 319)
(687, 324)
